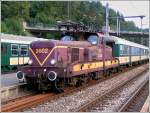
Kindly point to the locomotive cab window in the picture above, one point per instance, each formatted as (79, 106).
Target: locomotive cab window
(14, 50)
(23, 50)
(93, 39)
(67, 38)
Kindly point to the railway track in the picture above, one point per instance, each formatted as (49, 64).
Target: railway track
(136, 101)
(4, 102)
(23, 103)
(102, 102)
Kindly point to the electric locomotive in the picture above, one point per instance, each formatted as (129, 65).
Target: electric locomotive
(56, 63)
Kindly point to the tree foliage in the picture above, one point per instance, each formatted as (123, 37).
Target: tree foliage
(49, 12)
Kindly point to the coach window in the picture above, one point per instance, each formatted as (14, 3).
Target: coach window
(14, 50)
(23, 50)
(142, 51)
(124, 50)
(133, 50)
(121, 49)
(147, 52)
(138, 51)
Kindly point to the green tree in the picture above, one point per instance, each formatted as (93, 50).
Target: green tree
(13, 13)
(13, 26)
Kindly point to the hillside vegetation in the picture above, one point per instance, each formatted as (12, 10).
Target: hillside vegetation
(49, 12)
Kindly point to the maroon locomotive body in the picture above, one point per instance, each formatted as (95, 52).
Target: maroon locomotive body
(67, 62)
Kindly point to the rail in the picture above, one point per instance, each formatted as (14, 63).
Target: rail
(126, 105)
(40, 98)
(85, 107)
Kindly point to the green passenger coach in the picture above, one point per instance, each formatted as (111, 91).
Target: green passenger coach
(128, 53)
(14, 51)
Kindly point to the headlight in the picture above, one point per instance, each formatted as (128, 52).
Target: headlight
(20, 75)
(30, 61)
(52, 76)
(53, 61)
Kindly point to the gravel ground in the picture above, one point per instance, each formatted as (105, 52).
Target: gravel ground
(114, 101)
(77, 99)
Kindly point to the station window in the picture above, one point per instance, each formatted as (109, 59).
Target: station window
(14, 49)
(23, 50)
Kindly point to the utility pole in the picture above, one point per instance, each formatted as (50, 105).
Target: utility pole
(103, 38)
(107, 21)
(69, 9)
(119, 28)
(117, 23)
(141, 17)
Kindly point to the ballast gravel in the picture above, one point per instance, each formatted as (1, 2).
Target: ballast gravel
(74, 101)
(114, 101)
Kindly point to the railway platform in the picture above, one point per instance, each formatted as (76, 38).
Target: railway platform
(9, 80)
(11, 87)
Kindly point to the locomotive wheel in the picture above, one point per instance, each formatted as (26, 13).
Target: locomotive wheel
(97, 75)
(105, 73)
(55, 88)
(79, 83)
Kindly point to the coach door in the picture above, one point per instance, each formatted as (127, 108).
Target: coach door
(130, 54)
(4, 54)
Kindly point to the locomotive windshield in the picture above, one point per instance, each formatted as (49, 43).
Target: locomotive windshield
(67, 38)
(93, 39)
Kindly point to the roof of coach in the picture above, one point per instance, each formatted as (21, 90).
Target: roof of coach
(124, 42)
(8, 38)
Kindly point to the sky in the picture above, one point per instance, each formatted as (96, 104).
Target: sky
(131, 8)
